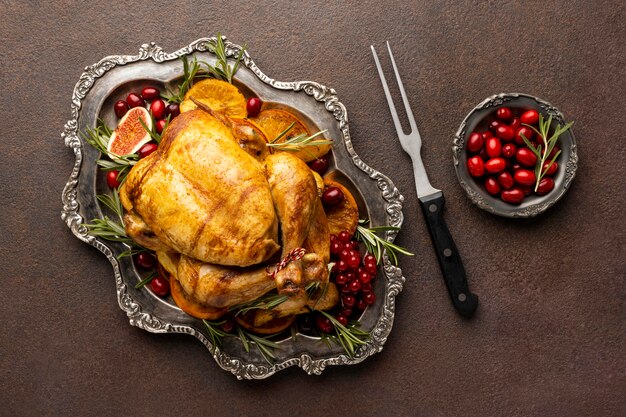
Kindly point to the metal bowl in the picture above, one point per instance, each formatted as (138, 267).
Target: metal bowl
(477, 120)
(112, 78)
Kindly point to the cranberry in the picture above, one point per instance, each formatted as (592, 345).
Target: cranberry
(354, 286)
(343, 320)
(346, 312)
(504, 113)
(493, 147)
(545, 185)
(494, 125)
(527, 132)
(351, 276)
(134, 100)
(515, 167)
(333, 237)
(515, 124)
(365, 288)
(486, 134)
(512, 196)
(323, 323)
(369, 258)
(483, 154)
(157, 108)
(253, 106)
(160, 286)
(475, 142)
(341, 265)
(147, 149)
(508, 150)
(369, 298)
(112, 181)
(539, 139)
(525, 157)
(160, 125)
(506, 180)
(345, 289)
(172, 110)
(524, 177)
(526, 189)
(344, 236)
(348, 300)
(370, 267)
(352, 245)
(120, 107)
(364, 277)
(145, 260)
(228, 326)
(341, 279)
(354, 259)
(552, 170)
(492, 186)
(506, 133)
(150, 93)
(336, 247)
(530, 117)
(495, 165)
(332, 196)
(361, 305)
(319, 165)
(475, 166)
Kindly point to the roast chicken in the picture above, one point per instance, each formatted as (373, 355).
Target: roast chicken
(221, 214)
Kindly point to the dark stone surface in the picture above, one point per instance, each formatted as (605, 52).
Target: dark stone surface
(548, 338)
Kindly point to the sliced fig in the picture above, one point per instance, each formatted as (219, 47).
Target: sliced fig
(129, 135)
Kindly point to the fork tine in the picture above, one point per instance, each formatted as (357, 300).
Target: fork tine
(392, 107)
(407, 107)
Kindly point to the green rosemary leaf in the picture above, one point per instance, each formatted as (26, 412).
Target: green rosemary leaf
(146, 280)
(376, 244)
(221, 69)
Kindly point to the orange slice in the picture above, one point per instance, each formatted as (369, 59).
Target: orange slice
(275, 121)
(129, 135)
(250, 137)
(218, 95)
(276, 325)
(343, 215)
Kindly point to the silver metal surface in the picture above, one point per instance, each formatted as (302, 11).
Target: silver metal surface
(411, 142)
(111, 79)
(477, 120)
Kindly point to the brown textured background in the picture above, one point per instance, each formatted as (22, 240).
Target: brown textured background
(548, 338)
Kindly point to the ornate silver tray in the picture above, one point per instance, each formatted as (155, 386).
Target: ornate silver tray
(112, 78)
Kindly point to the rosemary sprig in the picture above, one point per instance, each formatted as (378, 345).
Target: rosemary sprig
(375, 244)
(263, 344)
(146, 280)
(152, 132)
(215, 333)
(543, 151)
(221, 69)
(112, 229)
(349, 337)
(299, 141)
(190, 71)
(265, 302)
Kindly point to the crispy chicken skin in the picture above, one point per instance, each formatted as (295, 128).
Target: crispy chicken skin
(203, 196)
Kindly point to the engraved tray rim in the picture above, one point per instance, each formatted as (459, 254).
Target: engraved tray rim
(138, 315)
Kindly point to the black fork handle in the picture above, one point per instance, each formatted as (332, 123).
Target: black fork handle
(448, 255)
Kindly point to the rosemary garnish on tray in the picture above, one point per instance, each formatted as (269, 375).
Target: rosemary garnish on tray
(265, 302)
(543, 151)
(215, 333)
(152, 132)
(146, 280)
(375, 244)
(190, 71)
(263, 344)
(299, 141)
(222, 70)
(350, 337)
(112, 229)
